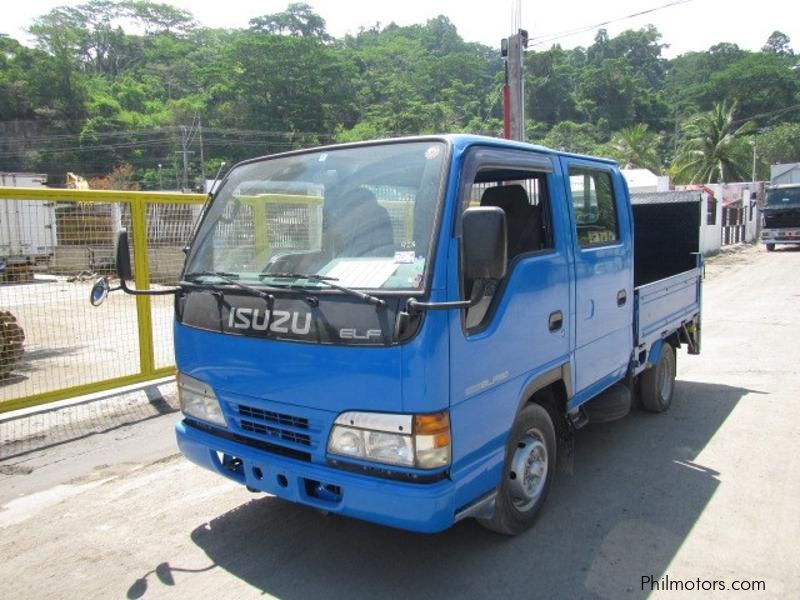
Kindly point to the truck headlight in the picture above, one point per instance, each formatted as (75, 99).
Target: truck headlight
(198, 400)
(421, 441)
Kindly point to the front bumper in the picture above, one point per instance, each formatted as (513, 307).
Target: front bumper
(422, 507)
(780, 236)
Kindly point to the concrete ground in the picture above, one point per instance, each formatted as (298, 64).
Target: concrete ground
(69, 342)
(707, 491)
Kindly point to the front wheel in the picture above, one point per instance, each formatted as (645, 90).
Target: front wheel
(658, 382)
(528, 471)
(770, 247)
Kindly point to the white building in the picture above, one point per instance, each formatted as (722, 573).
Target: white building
(643, 181)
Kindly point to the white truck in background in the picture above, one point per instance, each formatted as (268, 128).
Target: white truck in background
(27, 229)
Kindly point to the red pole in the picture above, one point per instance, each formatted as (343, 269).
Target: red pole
(507, 111)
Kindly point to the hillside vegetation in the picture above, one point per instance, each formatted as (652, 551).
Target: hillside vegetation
(115, 89)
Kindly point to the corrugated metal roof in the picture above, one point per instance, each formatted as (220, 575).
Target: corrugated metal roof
(782, 169)
(672, 197)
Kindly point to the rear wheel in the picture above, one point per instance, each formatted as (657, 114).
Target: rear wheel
(528, 471)
(658, 382)
(770, 247)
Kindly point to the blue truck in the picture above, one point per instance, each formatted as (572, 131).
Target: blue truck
(410, 331)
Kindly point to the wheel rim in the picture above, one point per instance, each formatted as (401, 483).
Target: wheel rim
(665, 376)
(528, 473)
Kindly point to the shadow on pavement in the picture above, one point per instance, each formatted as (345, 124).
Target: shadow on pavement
(636, 492)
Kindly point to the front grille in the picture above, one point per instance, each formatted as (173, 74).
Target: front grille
(779, 219)
(275, 427)
(276, 433)
(273, 417)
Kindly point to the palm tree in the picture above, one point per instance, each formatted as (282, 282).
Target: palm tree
(713, 150)
(636, 148)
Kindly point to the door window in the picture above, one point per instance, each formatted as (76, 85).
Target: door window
(523, 197)
(594, 206)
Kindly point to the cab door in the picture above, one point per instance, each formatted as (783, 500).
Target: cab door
(521, 327)
(602, 238)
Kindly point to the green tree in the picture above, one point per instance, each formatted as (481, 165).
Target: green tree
(687, 77)
(713, 149)
(779, 144)
(59, 81)
(582, 138)
(551, 85)
(635, 147)
(610, 91)
(158, 18)
(16, 61)
(760, 84)
(299, 19)
(641, 48)
(290, 84)
(778, 43)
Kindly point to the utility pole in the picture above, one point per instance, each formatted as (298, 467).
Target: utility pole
(677, 132)
(202, 155)
(185, 141)
(513, 50)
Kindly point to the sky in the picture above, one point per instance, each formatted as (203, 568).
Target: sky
(689, 25)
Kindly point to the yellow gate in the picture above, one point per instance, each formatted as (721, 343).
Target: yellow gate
(54, 243)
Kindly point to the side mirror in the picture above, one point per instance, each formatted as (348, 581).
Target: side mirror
(99, 292)
(484, 240)
(124, 271)
(100, 289)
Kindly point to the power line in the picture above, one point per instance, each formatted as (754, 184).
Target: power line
(30, 140)
(541, 40)
(772, 113)
(98, 134)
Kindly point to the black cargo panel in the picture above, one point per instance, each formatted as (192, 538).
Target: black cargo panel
(666, 234)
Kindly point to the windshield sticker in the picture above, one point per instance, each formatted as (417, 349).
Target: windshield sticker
(362, 273)
(432, 152)
(404, 258)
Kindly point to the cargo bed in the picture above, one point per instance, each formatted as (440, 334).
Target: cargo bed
(664, 306)
(668, 267)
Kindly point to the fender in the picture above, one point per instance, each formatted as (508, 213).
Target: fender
(484, 506)
(562, 372)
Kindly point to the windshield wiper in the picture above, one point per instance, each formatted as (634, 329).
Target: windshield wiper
(329, 281)
(231, 279)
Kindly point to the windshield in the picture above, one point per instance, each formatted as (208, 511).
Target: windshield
(784, 198)
(361, 217)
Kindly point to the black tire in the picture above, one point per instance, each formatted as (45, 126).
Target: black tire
(770, 247)
(658, 382)
(533, 436)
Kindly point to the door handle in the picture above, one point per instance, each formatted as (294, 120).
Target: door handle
(556, 320)
(622, 297)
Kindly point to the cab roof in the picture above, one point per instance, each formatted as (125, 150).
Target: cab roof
(459, 141)
(463, 140)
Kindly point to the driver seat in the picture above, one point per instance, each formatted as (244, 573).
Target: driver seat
(360, 226)
(524, 220)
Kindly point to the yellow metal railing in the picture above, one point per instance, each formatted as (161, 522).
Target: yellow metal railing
(64, 360)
